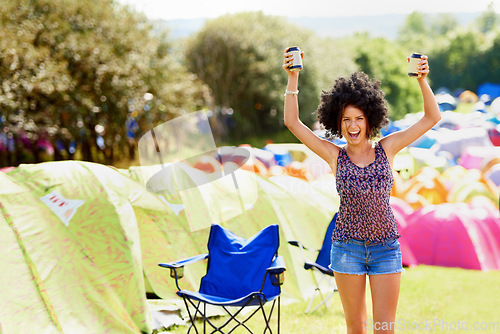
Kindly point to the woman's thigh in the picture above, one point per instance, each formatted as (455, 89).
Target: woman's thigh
(352, 291)
(385, 294)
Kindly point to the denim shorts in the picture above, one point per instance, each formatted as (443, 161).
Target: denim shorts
(361, 257)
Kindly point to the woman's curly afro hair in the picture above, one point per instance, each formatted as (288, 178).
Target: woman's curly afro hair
(356, 90)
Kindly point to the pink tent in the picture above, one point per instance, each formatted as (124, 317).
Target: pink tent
(409, 260)
(7, 169)
(486, 212)
(455, 235)
(401, 211)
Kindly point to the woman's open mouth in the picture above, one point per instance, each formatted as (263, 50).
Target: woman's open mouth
(354, 135)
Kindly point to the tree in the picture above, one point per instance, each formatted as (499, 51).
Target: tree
(414, 33)
(486, 66)
(385, 61)
(76, 71)
(488, 20)
(453, 63)
(442, 24)
(240, 56)
(423, 32)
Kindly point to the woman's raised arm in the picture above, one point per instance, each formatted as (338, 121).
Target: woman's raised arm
(322, 147)
(395, 142)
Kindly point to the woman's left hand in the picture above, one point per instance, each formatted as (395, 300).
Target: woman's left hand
(423, 67)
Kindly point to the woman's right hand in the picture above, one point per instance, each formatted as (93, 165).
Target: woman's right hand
(288, 61)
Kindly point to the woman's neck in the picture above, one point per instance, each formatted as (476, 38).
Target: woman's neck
(360, 149)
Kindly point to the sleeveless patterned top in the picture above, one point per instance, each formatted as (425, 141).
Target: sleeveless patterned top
(365, 212)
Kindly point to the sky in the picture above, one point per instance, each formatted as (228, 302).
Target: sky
(182, 9)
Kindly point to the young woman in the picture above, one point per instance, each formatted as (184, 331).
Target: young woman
(365, 237)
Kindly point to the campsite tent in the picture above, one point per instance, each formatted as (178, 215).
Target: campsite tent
(92, 201)
(456, 141)
(125, 230)
(468, 96)
(50, 281)
(408, 258)
(495, 106)
(455, 235)
(490, 89)
(470, 184)
(401, 211)
(446, 102)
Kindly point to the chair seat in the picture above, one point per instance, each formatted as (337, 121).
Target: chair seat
(248, 300)
(326, 271)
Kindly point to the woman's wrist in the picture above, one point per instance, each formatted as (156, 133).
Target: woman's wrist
(291, 92)
(293, 76)
(292, 84)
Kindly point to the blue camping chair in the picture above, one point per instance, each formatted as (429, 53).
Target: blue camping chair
(240, 273)
(320, 266)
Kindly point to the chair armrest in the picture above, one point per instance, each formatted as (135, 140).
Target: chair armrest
(184, 262)
(302, 249)
(177, 267)
(301, 246)
(277, 270)
(277, 266)
(297, 244)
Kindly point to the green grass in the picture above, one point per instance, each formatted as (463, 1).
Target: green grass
(450, 295)
(431, 298)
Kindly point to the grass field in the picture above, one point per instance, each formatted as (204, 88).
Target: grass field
(432, 300)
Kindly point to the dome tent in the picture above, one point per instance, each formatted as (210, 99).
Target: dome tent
(454, 235)
(49, 281)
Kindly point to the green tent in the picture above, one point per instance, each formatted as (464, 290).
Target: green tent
(49, 283)
(91, 201)
(165, 236)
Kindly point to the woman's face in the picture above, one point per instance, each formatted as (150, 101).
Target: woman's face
(354, 125)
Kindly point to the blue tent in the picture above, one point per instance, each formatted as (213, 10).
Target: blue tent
(488, 88)
(446, 102)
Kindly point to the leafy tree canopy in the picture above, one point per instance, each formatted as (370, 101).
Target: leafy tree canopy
(76, 71)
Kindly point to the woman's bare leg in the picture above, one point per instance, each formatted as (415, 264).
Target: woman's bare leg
(352, 291)
(385, 295)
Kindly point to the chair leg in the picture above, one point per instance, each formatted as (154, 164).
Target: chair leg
(279, 312)
(324, 300)
(233, 317)
(267, 319)
(311, 299)
(240, 323)
(203, 315)
(192, 318)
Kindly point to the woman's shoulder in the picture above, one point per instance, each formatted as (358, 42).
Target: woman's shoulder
(336, 149)
(333, 148)
(334, 155)
(382, 146)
